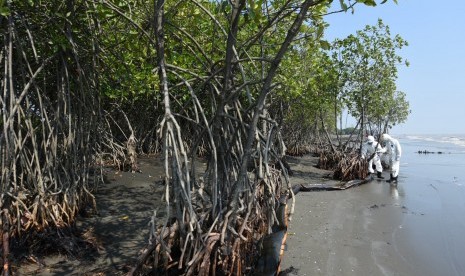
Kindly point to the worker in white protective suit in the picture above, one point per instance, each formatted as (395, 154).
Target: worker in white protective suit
(394, 150)
(371, 150)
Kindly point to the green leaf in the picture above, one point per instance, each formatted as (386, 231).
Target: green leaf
(319, 31)
(343, 5)
(4, 11)
(325, 45)
(371, 3)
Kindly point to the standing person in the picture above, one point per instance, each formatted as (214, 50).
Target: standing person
(395, 151)
(371, 150)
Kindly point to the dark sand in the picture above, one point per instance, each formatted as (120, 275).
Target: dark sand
(415, 228)
(350, 232)
(125, 204)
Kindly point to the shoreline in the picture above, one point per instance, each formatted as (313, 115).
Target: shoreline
(349, 232)
(415, 228)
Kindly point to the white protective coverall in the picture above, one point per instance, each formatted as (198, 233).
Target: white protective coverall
(368, 149)
(394, 150)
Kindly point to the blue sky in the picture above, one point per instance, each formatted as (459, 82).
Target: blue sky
(435, 80)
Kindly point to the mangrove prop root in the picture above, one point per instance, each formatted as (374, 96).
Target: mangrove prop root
(346, 166)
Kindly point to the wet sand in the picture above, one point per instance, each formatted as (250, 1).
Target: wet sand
(119, 229)
(374, 229)
(414, 228)
(350, 232)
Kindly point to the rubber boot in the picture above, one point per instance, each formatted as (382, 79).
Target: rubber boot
(369, 176)
(380, 175)
(393, 180)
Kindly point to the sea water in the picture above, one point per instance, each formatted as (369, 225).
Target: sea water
(431, 189)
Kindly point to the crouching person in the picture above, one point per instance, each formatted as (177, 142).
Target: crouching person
(371, 150)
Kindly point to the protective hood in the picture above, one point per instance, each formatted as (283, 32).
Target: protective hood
(386, 137)
(370, 139)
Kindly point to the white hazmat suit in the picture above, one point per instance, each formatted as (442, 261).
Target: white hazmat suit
(395, 151)
(372, 148)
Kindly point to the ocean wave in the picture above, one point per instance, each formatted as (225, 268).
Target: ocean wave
(458, 140)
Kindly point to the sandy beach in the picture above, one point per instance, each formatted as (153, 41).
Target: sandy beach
(415, 228)
(348, 232)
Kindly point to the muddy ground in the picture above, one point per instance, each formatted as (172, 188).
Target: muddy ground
(119, 229)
